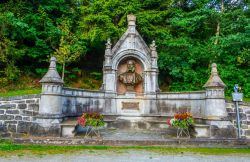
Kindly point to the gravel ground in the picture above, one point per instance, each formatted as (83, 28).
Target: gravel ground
(125, 156)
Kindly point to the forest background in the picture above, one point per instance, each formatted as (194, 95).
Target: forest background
(190, 36)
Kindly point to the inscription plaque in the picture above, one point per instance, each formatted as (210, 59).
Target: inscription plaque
(130, 105)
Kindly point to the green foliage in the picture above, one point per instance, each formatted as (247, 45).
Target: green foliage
(184, 124)
(96, 75)
(91, 119)
(185, 34)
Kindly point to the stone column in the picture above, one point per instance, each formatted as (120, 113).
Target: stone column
(50, 110)
(154, 67)
(108, 54)
(109, 80)
(215, 106)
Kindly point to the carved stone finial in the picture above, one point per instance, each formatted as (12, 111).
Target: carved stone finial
(153, 46)
(108, 44)
(131, 20)
(52, 75)
(52, 63)
(214, 79)
(214, 69)
(153, 50)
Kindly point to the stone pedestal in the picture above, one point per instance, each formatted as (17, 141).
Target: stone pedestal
(50, 111)
(215, 108)
(215, 112)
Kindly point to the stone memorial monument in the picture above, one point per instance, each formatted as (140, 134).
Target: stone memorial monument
(130, 97)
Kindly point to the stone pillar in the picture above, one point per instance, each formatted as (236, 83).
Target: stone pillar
(215, 106)
(50, 110)
(154, 67)
(109, 77)
(108, 54)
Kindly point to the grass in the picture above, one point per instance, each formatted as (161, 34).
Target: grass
(8, 148)
(20, 92)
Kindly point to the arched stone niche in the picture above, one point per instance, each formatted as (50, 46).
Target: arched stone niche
(122, 68)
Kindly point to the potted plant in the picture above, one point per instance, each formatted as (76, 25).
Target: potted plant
(182, 121)
(90, 122)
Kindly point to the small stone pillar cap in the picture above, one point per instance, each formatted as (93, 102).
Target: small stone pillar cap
(214, 79)
(52, 75)
(131, 20)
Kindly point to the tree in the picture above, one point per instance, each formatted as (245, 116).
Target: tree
(70, 48)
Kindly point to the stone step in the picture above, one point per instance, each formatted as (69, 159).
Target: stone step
(134, 124)
(68, 127)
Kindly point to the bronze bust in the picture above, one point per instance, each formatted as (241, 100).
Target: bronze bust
(130, 78)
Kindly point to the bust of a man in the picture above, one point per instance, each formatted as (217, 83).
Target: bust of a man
(130, 78)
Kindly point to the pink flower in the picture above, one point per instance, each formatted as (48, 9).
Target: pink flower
(169, 122)
(81, 121)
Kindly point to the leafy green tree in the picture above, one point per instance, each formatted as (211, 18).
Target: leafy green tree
(190, 35)
(70, 47)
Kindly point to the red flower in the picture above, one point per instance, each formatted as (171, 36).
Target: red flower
(81, 121)
(168, 122)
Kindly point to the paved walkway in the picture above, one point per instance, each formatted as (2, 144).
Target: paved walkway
(142, 138)
(126, 156)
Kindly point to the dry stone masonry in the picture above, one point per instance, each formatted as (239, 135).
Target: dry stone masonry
(17, 114)
(244, 116)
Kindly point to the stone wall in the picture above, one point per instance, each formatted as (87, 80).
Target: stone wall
(77, 101)
(244, 109)
(171, 102)
(17, 114)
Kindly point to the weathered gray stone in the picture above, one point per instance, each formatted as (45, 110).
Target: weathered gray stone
(247, 132)
(2, 111)
(18, 117)
(37, 101)
(23, 127)
(6, 117)
(11, 122)
(8, 106)
(22, 106)
(229, 132)
(244, 126)
(5, 134)
(33, 107)
(28, 113)
(12, 112)
(214, 80)
(12, 127)
(52, 75)
(26, 118)
(3, 128)
(230, 110)
(52, 130)
(31, 101)
(18, 101)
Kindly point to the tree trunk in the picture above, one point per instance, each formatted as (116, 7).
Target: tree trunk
(217, 34)
(63, 69)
